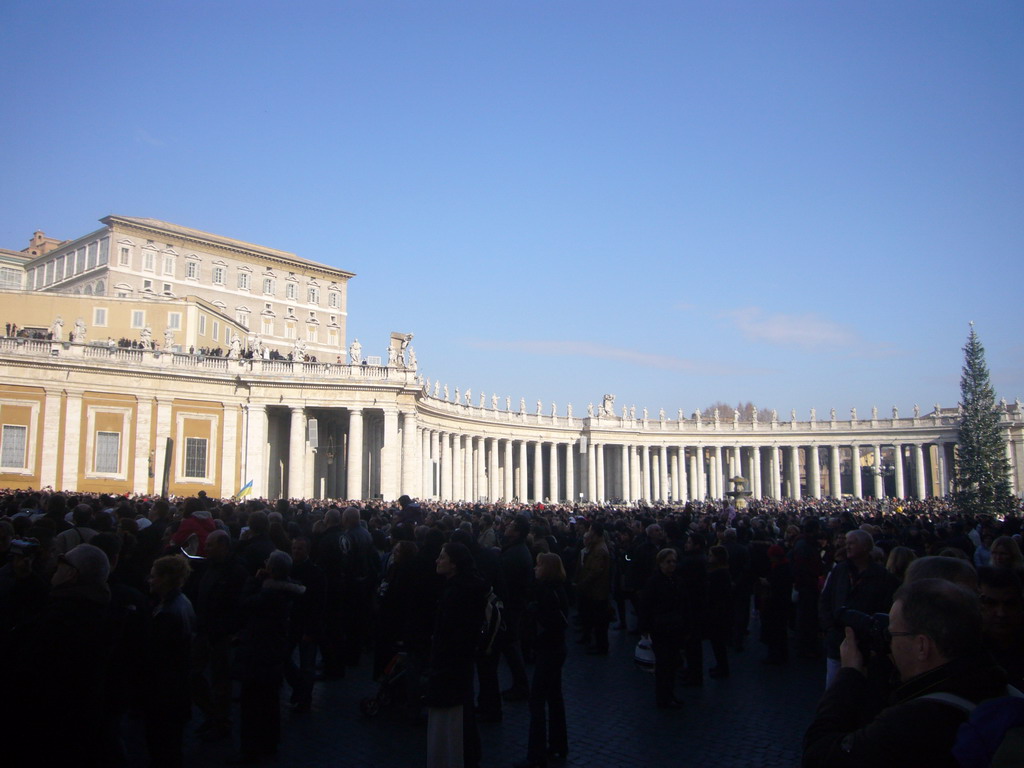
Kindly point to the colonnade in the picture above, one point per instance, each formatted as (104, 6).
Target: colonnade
(365, 452)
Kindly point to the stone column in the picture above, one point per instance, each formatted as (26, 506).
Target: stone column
(480, 456)
(553, 472)
(814, 473)
(389, 456)
(858, 492)
(493, 472)
(755, 471)
(717, 478)
(469, 479)
(591, 472)
(444, 462)
(297, 453)
(655, 474)
(776, 473)
(354, 465)
(51, 439)
(684, 488)
(570, 471)
(599, 453)
(835, 477)
(919, 471)
(523, 488)
(794, 472)
(663, 473)
(737, 463)
(897, 451)
(411, 473)
(940, 455)
(699, 473)
(538, 471)
(458, 469)
(507, 490)
(646, 486)
(624, 466)
(255, 466)
(879, 477)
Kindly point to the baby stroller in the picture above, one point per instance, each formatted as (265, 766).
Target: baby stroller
(393, 687)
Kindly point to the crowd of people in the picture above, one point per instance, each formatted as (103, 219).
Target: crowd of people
(105, 600)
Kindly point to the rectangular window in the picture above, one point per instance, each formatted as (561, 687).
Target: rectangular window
(99, 316)
(91, 262)
(334, 300)
(10, 278)
(108, 452)
(49, 273)
(195, 457)
(138, 318)
(59, 269)
(289, 330)
(202, 325)
(104, 250)
(167, 288)
(311, 333)
(192, 270)
(148, 257)
(168, 265)
(12, 450)
(268, 326)
(290, 291)
(243, 281)
(268, 286)
(216, 330)
(332, 337)
(218, 275)
(242, 318)
(126, 256)
(174, 321)
(312, 295)
(147, 285)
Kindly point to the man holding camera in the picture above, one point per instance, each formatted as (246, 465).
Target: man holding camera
(934, 637)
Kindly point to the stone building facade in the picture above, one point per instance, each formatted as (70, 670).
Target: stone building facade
(81, 413)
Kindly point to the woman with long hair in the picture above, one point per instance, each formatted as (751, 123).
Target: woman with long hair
(662, 617)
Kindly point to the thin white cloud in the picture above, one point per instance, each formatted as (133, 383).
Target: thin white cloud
(567, 348)
(809, 331)
(142, 136)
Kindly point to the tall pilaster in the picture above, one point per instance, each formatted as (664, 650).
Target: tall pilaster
(143, 436)
(51, 439)
(163, 433)
(254, 459)
(354, 463)
(229, 454)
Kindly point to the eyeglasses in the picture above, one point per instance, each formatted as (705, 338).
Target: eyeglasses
(888, 635)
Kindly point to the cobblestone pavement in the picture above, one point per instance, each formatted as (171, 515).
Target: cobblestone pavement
(754, 718)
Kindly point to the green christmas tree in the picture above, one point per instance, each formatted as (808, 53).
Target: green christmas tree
(982, 482)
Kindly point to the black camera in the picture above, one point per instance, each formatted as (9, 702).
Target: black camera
(870, 629)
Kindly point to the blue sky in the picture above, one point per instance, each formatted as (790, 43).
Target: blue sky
(800, 204)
